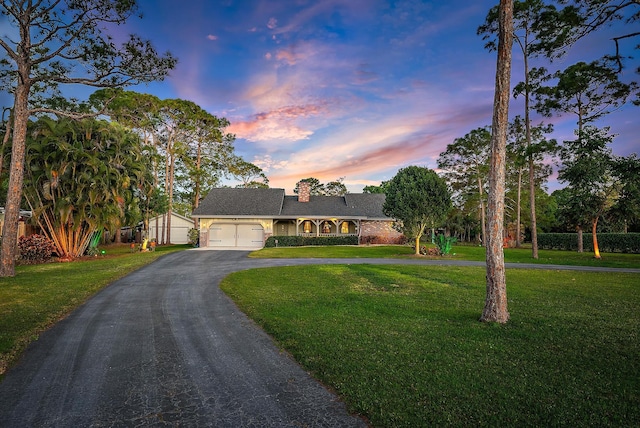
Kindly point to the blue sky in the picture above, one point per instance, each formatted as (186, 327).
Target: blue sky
(343, 88)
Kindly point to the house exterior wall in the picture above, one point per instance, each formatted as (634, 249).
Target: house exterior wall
(284, 228)
(379, 232)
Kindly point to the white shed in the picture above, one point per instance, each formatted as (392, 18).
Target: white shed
(180, 226)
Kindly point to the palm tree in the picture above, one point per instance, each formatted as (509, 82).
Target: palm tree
(79, 176)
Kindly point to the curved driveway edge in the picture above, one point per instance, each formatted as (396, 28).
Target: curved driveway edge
(164, 346)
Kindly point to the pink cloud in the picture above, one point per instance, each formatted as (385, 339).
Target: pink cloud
(277, 124)
(212, 37)
(390, 157)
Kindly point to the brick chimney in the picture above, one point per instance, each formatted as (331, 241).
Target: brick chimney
(304, 191)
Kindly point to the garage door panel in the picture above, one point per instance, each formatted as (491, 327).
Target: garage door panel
(236, 235)
(250, 235)
(222, 235)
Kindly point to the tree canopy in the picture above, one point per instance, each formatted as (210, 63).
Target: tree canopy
(417, 198)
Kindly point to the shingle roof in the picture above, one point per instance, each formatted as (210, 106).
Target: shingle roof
(241, 202)
(274, 203)
(369, 204)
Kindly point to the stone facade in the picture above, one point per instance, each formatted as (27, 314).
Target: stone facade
(380, 232)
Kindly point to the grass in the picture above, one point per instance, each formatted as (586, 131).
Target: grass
(403, 347)
(461, 252)
(40, 295)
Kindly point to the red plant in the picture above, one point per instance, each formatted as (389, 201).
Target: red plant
(35, 249)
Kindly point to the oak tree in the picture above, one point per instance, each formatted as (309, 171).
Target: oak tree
(417, 198)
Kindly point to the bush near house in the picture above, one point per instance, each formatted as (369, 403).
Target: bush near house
(301, 241)
(383, 240)
(608, 242)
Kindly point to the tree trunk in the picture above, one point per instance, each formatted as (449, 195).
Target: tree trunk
(495, 308)
(532, 182)
(170, 210)
(596, 248)
(580, 246)
(532, 203)
(483, 215)
(5, 139)
(16, 176)
(519, 209)
(196, 199)
(417, 253)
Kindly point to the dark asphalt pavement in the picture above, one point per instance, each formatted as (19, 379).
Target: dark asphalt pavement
(165, 347)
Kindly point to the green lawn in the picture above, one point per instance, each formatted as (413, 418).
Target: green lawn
(40, 295)
(460, 252)
(403, 346)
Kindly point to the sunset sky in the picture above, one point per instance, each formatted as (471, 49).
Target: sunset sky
(344, 88)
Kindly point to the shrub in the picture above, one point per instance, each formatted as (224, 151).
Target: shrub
(384, 240)
(299, 241)
(194, 237)
(444, 243)
(608, 242)
(35, 248)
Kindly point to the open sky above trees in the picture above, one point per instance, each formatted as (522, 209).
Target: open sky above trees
(345, 88)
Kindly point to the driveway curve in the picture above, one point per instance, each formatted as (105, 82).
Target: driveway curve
(164, 346)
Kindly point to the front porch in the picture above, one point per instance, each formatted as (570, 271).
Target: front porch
(316, 227)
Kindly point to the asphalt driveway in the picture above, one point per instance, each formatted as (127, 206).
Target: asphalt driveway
(165, 347)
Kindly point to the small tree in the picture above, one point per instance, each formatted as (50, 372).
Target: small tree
(417, 198)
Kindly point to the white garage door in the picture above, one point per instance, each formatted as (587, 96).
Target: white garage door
(250, 235)
(236, 235)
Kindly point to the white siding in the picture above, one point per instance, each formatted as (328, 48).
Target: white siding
(179, 229)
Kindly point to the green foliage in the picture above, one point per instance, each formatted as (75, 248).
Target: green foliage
(540, 29)
(375, 189)
(589, 91)
(82, 176)
(35, 249)
(299, 241)
(608, 242)
(194, 236)
(444, 243)
(417, 198)
(316, 188)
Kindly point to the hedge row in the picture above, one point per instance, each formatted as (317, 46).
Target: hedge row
(299, 241)
(607, 242)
